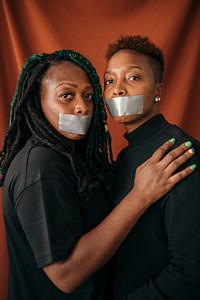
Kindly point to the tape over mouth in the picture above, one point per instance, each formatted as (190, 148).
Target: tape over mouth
(74, 124)
(125, 106)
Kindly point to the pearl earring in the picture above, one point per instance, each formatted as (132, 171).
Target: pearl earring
(157, 99)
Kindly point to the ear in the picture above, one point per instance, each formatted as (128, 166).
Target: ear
(159, 88)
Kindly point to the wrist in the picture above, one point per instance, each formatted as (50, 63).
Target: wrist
(139, 200)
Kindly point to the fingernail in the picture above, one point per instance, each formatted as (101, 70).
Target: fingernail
(191, 150)
(172, 140)
(193, 167)
(188, 144)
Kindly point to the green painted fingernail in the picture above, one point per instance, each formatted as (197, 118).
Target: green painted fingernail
(188, 144)
(172, 140)
(193, 167)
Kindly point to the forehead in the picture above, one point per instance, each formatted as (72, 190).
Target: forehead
(125, 58)
(65, 70)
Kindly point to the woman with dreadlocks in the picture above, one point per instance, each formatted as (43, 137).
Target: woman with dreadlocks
(55, 161)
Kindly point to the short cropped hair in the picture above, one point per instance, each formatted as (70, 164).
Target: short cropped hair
(143, 45)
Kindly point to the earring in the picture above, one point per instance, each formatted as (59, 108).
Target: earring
(157, 99)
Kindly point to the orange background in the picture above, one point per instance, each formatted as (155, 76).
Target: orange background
(87, 26)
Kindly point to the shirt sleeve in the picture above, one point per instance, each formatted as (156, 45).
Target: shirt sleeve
(49, 211)
(180, 280)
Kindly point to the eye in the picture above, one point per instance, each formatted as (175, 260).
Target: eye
(134, 77)
(66, 96)
(89, 96)
(108, 81)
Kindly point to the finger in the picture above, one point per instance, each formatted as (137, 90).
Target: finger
(161, 151)
(176, 163)
(174, 179)
(175, 153)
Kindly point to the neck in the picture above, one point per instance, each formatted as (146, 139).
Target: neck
(129, 127)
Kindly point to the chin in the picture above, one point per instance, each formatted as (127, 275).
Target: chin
(74, 136)
(125, 119)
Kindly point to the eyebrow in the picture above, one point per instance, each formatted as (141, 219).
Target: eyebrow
(73, 85)
(128, 68)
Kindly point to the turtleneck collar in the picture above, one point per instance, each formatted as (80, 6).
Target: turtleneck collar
(146, 130)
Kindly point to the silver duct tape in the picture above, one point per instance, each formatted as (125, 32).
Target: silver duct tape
(74, 124)
(125, 106)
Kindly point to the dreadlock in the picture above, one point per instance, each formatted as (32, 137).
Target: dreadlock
(27, 119)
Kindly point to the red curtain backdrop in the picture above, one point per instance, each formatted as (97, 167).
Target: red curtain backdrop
(87, 26)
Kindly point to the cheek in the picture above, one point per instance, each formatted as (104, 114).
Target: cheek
(92, 109)
(53, 118)
(106, 94)
(51, 114)
(149, 95)
(148, 103)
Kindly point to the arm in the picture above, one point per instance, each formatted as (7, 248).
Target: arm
(153, 179)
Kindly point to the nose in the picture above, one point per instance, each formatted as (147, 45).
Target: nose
(81, 107)
(119, 90)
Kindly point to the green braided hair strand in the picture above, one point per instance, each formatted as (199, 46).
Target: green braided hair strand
(35, 58)
(27, 119)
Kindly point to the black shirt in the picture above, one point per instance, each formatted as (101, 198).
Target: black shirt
(160, 258)
(44, 217)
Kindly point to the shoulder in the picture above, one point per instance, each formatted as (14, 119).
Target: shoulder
(35, 150)
(181, 134)
(36, 162)
(46, 162)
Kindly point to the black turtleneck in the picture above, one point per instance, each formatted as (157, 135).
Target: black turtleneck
(146, 130)
(160, 259)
